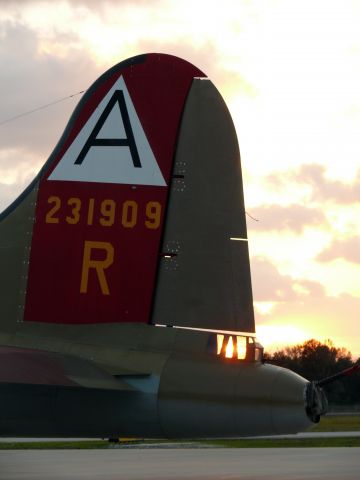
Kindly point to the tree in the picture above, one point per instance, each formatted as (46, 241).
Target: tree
(314, 361)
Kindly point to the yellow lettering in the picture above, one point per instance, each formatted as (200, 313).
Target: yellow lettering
(90, 216)
(50, 215)
(107, 214)
(129, 214)
(75, 211)
(153, 215)
(108, 211)
(98, 265)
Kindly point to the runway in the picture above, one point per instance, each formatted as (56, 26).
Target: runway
(176, 464)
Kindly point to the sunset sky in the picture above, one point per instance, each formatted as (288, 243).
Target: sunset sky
(289, 71)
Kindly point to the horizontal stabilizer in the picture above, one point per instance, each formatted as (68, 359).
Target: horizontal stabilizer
(37, 367)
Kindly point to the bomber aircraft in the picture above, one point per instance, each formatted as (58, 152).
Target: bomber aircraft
(126, 303)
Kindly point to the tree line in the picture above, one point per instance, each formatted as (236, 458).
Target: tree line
(314, 361)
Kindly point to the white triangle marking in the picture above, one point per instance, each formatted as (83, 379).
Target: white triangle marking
(110, 164)
(113, 126)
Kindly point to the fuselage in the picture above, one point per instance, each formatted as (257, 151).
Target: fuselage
(168, 382)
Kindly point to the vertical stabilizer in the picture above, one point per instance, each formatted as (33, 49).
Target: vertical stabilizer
(138, 214)
(204, 275)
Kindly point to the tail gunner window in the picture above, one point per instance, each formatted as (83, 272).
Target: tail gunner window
(236, 347)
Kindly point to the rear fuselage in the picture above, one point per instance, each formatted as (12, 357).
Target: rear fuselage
(169, 385)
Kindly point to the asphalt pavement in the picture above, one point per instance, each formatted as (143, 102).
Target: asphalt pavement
(176, 464)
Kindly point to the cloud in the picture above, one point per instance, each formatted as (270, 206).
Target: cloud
(33, 79)
(111, 29)
(90, 3)
(271, 286)
(348, 249)
(98, 5)
(327, 317)
(18, 168)
(304, 305)
(8, 194)
(291, 217)
(321, 188)
(45, 66)
(206, 56)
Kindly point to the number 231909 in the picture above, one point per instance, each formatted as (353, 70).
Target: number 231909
(105, 212)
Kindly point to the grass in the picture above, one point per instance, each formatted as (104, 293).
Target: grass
(288, 442)
(327, 424)
(240, 443)
(58, 445)
(341, 423)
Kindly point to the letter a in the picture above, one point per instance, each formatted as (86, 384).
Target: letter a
(112, 146)
(129, 141)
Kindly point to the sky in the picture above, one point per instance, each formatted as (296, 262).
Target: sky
(289, 71)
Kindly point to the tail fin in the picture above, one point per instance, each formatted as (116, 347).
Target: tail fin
(205, 280)
(114, 229)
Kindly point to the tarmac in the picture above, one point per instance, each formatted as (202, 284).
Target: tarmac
(182, 463)
(186, 460)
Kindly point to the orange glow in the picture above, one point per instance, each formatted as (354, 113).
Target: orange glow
(229, 352)
(273, 337)
(234, 346)
(241, 348)
(220, 341)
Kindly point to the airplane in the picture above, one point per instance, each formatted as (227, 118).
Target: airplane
(126, 305)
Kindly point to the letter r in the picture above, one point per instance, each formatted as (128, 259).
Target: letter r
(98, 265)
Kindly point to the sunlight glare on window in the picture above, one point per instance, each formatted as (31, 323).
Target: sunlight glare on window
(233, 346)
(241, 347)
(229, 352)
(219, 342)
